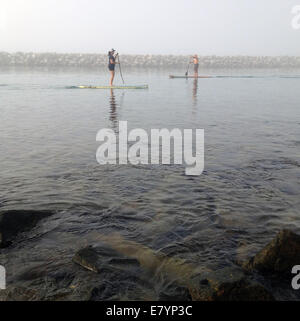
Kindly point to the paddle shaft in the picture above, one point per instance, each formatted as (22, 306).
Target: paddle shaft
(120, 69)
(188, 68)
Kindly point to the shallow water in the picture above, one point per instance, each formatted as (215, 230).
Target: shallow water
(248, 191)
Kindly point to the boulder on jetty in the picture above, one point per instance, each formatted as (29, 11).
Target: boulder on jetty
(279, 256)
(14, 222)
(227, 284)
(73, 60)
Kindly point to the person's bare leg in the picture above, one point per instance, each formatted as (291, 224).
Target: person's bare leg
(112, 73)
(196, 72)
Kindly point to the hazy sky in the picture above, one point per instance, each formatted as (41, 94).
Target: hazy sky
(220, 27)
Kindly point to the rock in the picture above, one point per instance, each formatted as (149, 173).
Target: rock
(279, 256)
(95, 60)
(103, 257)
(87, 258)
(119, 276)
(244, 251)
(122, 277)
(19, 294)
(175, 292)
(14, 222)
(60, 281)
(227, 284)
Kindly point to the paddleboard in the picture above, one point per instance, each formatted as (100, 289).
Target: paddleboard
(111, 87)
(171, 76)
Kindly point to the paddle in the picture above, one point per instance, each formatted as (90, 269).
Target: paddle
(187, 72)
(120, 68)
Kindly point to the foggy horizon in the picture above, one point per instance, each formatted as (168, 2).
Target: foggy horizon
(141, 54)
(176, 27)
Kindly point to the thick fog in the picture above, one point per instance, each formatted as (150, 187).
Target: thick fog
(206, 27)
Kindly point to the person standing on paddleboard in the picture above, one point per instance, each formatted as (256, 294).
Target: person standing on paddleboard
(111, 65)
(196, 65)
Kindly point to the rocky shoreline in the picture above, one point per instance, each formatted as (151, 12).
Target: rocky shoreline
(21, 59)
(113, 264)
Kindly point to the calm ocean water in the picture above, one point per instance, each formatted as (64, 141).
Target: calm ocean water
(248, 191)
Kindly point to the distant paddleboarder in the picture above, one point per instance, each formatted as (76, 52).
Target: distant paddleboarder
(111, 65)
(195, 61)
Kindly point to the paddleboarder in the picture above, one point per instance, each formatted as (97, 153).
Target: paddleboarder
(111, 65)
(195, 61)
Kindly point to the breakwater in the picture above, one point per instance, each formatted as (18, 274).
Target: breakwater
(93, 60)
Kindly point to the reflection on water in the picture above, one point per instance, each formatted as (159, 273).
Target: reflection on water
(195, 97)
(195, 91)
(113, 110)
(115, 107)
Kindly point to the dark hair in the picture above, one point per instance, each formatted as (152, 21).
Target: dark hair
(111, 52)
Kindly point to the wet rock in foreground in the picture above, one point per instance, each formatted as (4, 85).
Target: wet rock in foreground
(120, 277)
(14, 222)
(279, 256)
(103, 257)
(87, 258)
(228, 284)
(19, 294)
(47, 282)
(175, 292)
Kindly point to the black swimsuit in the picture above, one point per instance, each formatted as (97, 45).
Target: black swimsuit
(111, 66)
